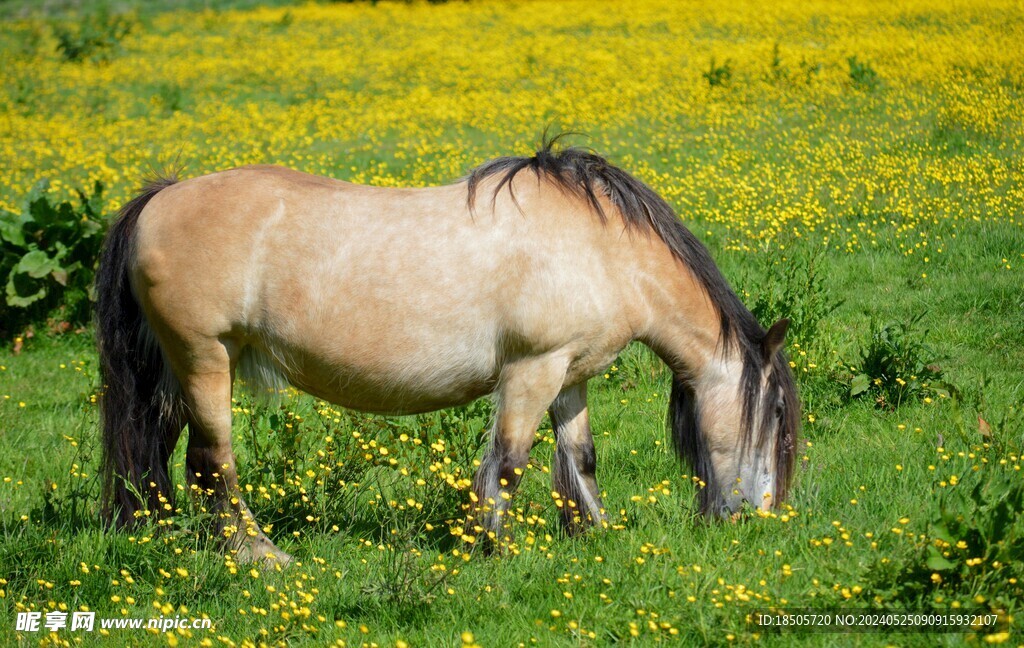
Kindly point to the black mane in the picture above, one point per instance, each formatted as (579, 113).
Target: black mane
(588, 175)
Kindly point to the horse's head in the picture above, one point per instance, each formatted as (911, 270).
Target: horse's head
(736, 424)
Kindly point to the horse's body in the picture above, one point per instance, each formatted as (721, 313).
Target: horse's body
(426, 306)
(410, 300)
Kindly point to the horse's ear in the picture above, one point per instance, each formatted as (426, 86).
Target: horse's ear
(774, 339)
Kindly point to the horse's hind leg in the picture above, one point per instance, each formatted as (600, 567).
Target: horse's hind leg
(524, 392)
(210, 461)
(575, 461)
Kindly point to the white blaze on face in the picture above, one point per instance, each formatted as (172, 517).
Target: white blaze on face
(767, 490)
(757, 476)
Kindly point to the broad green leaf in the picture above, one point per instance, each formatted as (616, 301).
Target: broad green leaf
(36, 264)
(937, 561)
(43, 213)
(941, 531)
(11, 229)
(19, 298)
(859, 385)
(88, 227)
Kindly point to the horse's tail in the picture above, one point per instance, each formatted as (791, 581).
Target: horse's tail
(140, 408)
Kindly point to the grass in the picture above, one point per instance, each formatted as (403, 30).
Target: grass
(906, 184)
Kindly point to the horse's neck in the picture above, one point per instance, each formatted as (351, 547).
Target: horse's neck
(683, 325)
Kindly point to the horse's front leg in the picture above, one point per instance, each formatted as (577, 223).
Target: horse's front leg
(210, 466)
(575, 463)
(524, 392)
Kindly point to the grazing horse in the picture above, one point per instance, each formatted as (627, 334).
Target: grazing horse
(523, 280)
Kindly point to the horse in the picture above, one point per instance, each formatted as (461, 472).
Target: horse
(522, 280)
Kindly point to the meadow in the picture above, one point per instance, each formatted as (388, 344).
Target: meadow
(857, 167)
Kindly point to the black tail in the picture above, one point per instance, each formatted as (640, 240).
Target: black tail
(140, 408)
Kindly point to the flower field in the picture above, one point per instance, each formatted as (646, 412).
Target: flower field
(857, 167)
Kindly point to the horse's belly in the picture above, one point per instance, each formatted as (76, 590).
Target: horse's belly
(370, 376)
(396, 399)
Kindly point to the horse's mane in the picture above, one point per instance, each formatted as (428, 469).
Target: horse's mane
(587, 175)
